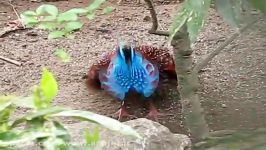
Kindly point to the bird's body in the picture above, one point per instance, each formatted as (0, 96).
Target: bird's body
(129, 69)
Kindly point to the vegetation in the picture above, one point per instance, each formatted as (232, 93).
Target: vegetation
(42, 125)
(184, 31)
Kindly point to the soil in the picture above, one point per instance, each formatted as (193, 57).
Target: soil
(232, 85)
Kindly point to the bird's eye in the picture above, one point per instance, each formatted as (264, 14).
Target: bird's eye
(149, 67)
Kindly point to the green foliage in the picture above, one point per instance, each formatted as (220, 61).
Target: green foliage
(235, 12)
(193, 14)
(60, 25)
(239, 139)
(92, 138)
(48, 86)
(47, 9)
(108, 9)
(99, 119)
(62, 55)
(228, 10)
(41, 123)
(259, 4)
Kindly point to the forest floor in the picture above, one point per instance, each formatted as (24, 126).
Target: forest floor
(233, 85)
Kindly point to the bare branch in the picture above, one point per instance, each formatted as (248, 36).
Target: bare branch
(153, 15)
(154, 27)
(10, 61)
(162, 33)
(14, 9)
(211, 55)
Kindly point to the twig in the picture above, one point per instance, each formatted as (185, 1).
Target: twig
(8, 30)
(211, 55)
(14, 9)
(162, 33)
(154, 27)
(10, 61)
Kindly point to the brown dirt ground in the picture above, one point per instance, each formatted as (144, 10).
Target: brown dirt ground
(232, 85)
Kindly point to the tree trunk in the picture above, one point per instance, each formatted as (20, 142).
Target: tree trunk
(187, 85)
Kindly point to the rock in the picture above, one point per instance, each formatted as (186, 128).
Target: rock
(32, 33)
(155, 137)
(147, 18)
(224, 105)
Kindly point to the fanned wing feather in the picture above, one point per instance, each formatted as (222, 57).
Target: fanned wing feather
(116, 78)
(144, 75)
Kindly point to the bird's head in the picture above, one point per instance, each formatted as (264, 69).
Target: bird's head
(126, 52)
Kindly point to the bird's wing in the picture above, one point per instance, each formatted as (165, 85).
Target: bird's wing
(116, 78)
(144, 75)
(160, 56)
(92, 77)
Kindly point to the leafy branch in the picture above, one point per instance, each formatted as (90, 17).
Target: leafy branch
(185, 28)
(41, 123)
(154, 28)
(60, 25)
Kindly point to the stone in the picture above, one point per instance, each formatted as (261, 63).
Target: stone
(156, 137)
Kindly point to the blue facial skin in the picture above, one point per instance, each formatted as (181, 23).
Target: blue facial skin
(129, 71)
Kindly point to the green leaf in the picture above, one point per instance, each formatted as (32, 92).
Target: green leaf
(179, 21)
(259, 4)
(194, 13)
(47, 9)
(90, 16)
(60, 127)
(29, 13)
(48, 18)
(67, 16)
(78, 10)
(5, 101)
(47, 26)
(26, 102)
(75, 25)
(106, 122)
(195, 21)
(38, 98)
(44, 112)
(56, 34)
(108, 9)
(12, 138)
(70, 36)
(6, 109)
(94, 5)
(48, 85)
(230, 11)
(62, 55)
(29, 19)
(92, 138)
(8, 135)
(53, 143)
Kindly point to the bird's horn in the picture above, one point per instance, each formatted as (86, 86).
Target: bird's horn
(121, 46)
(132, 51)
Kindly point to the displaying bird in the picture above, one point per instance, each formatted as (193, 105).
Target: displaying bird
(129, 69)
